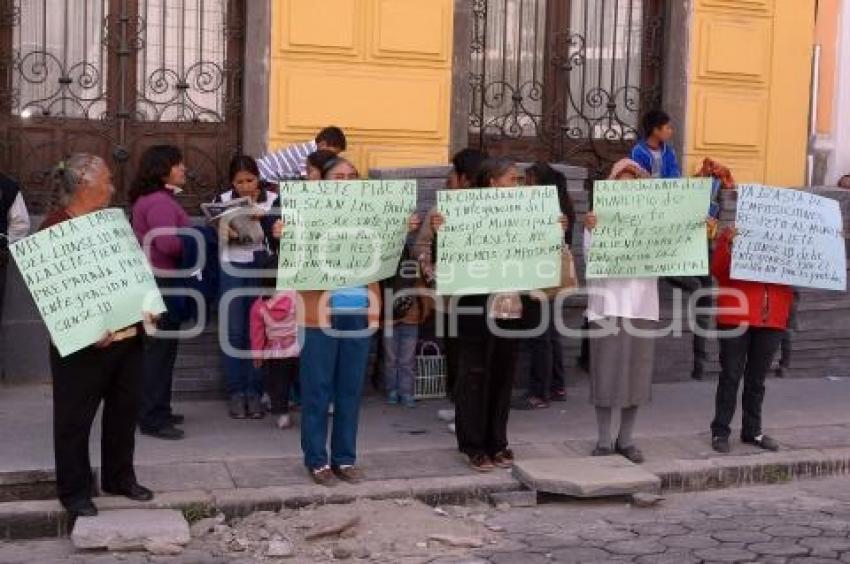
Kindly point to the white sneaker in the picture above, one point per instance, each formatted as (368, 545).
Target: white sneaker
(451, 427)
(447, 415)
(284, 422)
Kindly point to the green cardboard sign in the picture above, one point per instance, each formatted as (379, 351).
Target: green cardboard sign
(650, 227)
(342, 234)
(498, 239)
(87, 276)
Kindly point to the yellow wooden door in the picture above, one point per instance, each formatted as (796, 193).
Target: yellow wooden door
(380, 69)
(749, 88)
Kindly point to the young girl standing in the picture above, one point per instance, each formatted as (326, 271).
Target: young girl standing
(753, 328)
(238, 259)
(274, 343)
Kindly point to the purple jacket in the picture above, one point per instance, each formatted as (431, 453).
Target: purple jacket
(158, 210)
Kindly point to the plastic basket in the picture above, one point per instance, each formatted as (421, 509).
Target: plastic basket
(430, 372)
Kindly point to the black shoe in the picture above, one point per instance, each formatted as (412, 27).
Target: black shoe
(166, 432)
(698, 373)
(176, 419)
(133, 491)
(762, 441)
(720, 444)
(84, 508)
(630, 452)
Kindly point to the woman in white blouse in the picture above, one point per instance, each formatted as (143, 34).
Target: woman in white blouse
(241, 253)
(621, 364)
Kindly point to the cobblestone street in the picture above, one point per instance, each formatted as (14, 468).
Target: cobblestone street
(803, 522)
(806, 522)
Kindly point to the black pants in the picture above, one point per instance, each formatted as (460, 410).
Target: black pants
(160, 356)
(486, 366)
(279, 374)
(748, 356)
(81, 381)
(451, 347)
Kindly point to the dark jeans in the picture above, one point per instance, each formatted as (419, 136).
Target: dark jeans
(81, 381)
(400, 358)
(546, 362)
(692, 284)
(159, 358)
(278, 376)
(240, 375)
(332, 367)
(486, 366)
(748, 356)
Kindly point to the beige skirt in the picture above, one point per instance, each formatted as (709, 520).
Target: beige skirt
(621, 366)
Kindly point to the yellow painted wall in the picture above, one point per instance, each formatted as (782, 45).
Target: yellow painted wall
(380, 69)
(749, 87)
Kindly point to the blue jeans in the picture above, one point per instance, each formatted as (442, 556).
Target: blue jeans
(399, 358)
(332, 367)
(240, 375)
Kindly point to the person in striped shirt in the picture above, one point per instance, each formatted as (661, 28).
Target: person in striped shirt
(291, 163)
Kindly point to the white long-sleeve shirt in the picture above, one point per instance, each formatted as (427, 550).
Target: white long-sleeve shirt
(633, 298)
(19, 219)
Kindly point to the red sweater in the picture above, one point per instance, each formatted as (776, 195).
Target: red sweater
(767, 305)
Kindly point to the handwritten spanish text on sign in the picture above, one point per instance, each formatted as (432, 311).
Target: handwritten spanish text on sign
(498, 239)
(341, 234)
(87, 276)
(789, 237)
(651, 227)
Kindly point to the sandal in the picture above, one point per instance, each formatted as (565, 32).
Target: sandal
(503, 458)
(529, 403)
(481, 463)
(558, 394)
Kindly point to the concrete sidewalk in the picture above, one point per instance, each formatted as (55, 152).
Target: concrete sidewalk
(397, 442)
(241, 466)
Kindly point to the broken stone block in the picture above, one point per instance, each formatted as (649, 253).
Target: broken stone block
(594, 476)
(131, 529)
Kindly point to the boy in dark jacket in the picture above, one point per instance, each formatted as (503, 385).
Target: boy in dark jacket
(653, 152)
(763, 317)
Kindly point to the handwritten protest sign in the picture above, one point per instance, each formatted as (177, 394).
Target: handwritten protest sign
(789, 237)
(650, 227)
(87, 276)
(341, 234)
(498, 239)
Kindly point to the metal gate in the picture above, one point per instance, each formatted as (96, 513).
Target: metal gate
(564, 80)
(113, 77)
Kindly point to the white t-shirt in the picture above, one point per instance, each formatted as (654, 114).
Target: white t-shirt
(233, 252)
(633, 298)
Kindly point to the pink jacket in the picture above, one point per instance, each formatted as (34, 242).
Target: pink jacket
(274, 327)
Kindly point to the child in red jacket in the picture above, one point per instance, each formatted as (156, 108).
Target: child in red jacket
(274, 345)
(758, 312)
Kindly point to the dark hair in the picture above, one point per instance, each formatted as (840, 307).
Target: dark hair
(247, 163)
(652, 120)
(318, 159)
(546, 175)
(243, 163)
(268, 278)
(333, 163)
(333, 137)
(155, 165)
(466, 163)
(492, 168)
